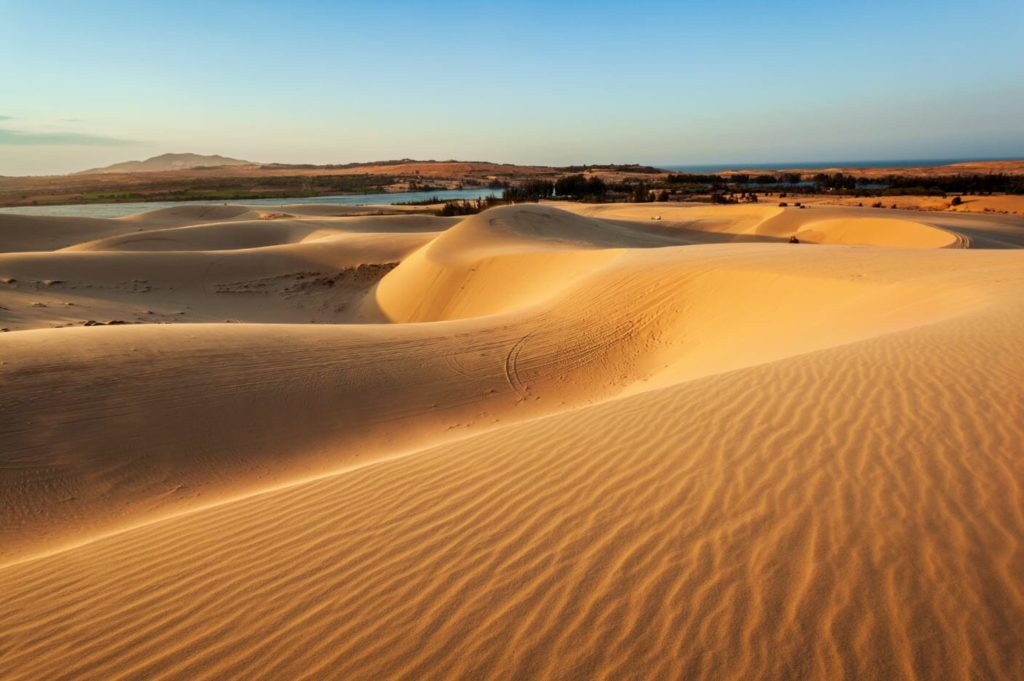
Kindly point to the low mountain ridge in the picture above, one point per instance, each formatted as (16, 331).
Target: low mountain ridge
(165, 162)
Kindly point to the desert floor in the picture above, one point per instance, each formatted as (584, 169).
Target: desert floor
(555, 441)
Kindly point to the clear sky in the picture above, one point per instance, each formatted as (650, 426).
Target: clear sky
(91, 83)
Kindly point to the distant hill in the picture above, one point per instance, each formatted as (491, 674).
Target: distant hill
(168, 162)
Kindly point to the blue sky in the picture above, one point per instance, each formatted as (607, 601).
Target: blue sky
(89, 83)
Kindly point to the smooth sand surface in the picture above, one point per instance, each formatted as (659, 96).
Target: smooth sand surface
(547, 441)
(1006, 204)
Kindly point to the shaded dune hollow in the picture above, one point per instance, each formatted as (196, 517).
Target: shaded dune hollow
(548, 441)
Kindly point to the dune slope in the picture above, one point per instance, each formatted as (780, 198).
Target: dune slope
(578, 445)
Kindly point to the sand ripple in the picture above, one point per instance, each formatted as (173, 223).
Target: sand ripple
(678, 490)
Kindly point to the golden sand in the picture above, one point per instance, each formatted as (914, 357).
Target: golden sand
(554, 442)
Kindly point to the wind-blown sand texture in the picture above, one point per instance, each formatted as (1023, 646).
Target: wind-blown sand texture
(543, 442)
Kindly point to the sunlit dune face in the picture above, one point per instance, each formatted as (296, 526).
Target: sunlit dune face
(545, 441)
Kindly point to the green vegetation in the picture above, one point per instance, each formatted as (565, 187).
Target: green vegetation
(641, 193)
(108, 197)
(530, 190)
(616, 167)
(456, 208)
(581, 188)
(958, 184)
(239, 188)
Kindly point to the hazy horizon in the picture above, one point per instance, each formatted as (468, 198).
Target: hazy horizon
(681, 167)
(669, 84)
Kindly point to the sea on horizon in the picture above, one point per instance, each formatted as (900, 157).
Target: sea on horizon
(789, 165)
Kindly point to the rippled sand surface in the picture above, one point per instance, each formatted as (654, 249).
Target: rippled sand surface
(561, 442)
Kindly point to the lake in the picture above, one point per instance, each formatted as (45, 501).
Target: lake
(114, 210)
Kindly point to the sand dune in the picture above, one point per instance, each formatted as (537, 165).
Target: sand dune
(241, 267)
(238, 234)
(19, 233)
(820, 225)
(880, 232)
(566, 442)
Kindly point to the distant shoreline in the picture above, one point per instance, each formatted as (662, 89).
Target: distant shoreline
(123, 208)
(823, 165)
(247, 183)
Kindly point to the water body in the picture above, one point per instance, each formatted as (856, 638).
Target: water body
(892, 163)
(115, 210)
